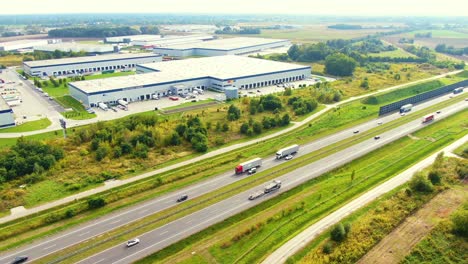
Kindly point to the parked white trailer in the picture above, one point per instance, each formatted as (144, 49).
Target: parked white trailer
(243, 167)
(103, 106)
(287, 151)
(122, 102)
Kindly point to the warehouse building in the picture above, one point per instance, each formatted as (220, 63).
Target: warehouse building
(183, 76)
(231, 46)
(172, 40)
(130, 38)
(6, 115)
(88, 65)
(90, 49)
(22, 44)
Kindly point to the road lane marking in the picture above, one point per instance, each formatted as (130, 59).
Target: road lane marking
(101, 260)
(165, 232)
(50, 246)
(82, 234)
(144, 211)
(115, 222)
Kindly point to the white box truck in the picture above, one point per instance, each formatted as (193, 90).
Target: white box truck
(122, 102)
(245, 166)
(103, 106)
(287, 151)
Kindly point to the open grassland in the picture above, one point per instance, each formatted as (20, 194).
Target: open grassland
(398, 53)
(11, 60)
(28, 126)
(440, 246)
(249, 236)
(462, 151)
(439, 33)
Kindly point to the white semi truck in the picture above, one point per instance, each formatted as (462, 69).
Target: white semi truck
(245, 166)
(122, 102)
(287, 151)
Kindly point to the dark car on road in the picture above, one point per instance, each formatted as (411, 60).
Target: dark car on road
(20, 259)
(182, 198)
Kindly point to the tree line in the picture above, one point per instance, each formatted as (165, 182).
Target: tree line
(101, 32)
(246, 31)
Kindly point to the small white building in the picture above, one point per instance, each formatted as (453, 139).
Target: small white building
(183, 76)
(130, 38)
(7, 118)
(88, 64)
(220, 47)
(22, 44)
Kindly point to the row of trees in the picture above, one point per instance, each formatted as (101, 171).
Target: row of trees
(57, 54)
(246, 31)
(443, 48)
(101, 32)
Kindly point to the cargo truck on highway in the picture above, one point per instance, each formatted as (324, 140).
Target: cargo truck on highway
(428, 118)
(406, 108)
(287, 151)
(274, 185)
(246, 166)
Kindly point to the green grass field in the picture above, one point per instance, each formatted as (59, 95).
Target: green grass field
(28, 126)
(462, 150)
(78, 113)
(398, 53)
(440, 33)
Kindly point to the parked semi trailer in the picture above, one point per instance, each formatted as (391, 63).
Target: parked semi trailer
(103, 106)
(243, 167)
(287, 151)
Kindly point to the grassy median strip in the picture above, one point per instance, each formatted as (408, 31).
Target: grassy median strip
(115, 237)
(260, 233)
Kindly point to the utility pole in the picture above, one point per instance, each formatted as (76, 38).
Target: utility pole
(63, 124)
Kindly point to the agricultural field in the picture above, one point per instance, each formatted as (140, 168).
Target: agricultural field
(315, 33)
(398, 53)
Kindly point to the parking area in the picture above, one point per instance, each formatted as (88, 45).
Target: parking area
(30, 104)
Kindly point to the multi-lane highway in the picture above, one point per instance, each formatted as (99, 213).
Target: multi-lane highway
(166, 235)
(104, 224)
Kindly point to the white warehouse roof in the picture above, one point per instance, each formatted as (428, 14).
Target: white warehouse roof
(97, 58)
(219, 67)
(226, 44)
(132, 38)
(75, 47)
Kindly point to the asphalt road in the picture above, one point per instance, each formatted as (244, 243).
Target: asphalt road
(109, 222)
(172, 232)
(295, 244)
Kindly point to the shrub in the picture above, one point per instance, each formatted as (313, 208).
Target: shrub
(338, 233)
(434, 177)
(94, 203)
(328, 247)
(420, 184)
(244, 127)
(460, 223)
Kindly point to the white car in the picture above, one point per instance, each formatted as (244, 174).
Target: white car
(288, 157)
(133, 242)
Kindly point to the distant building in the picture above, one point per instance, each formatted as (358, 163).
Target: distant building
(6, 115)
(88, 64)
(22, 44)
(77, 47)
(171, 40)
(220, 47)
(130, 38)
(183, 76)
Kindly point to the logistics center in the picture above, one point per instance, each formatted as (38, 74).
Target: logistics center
(7, 118)
(231, 46)
(182, 76)
(87, 65)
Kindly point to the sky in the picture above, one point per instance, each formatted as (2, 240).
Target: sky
(308, 7)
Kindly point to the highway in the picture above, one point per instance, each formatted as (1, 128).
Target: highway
(109, 222)
(183, 227)
(298, 242)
